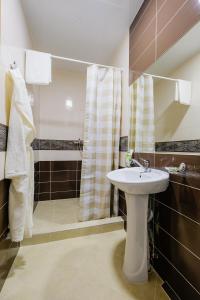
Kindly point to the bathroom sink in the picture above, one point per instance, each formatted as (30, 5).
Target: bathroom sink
(137, 186)
(134, 181)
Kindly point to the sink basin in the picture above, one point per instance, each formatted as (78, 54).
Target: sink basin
(137, 186)
(132, 181)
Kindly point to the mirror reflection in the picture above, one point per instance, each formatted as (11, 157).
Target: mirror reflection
(165, 104)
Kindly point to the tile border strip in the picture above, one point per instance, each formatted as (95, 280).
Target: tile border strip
(192, 146)
(3, 137)
(50, 144)
(123, 144)
(178, 146)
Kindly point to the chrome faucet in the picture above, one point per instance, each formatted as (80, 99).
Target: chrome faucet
(135, 162)
(145, 165)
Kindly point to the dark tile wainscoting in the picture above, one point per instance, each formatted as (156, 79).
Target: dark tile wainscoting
(4, 190)
(175, 228)
(8, 250)
(122, 207)
(175, 252)
(57, 180)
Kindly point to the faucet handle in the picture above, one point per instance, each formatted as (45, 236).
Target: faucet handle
(146, 163)
(182, 167)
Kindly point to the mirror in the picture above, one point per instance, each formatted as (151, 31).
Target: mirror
(165, 105)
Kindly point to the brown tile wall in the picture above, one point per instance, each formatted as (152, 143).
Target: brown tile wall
(8, 250)
(4, 187)
(157, 26)
(57, 180)
(122, 207)
(176, 224)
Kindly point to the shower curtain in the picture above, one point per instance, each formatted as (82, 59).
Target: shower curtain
(101, 142)
(141, 135)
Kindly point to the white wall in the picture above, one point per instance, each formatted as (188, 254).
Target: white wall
(121, 59)
(176, 122)
(14, 30)
(14, 37)
(56, 121)
(14, 34)
(52, 119)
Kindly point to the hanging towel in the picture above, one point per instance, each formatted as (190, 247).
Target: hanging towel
(19, 161)
(38, 67)
(183, 92)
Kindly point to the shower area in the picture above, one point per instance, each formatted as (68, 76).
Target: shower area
(59, 111)
(59, 119)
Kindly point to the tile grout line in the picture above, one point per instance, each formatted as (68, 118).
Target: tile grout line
(141, 16)
(143, 52)
(62, 170)
(122, 213)
(76, 176)
(156, 31)
(3, 205)
(57, 192)
(186, 248)
(173, 290)
(2, 234)
(150, 44)
(176, 211)
(189, 186)
(163, 255)
(171, 19)
(56, 181)
(162, 6)
(135, 47)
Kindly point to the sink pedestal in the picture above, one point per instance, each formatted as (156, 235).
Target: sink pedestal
(137, 188)
(135, 265)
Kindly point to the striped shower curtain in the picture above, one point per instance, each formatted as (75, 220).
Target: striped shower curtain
(101, 142)
(141, 135)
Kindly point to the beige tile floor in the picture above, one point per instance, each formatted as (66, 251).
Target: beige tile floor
(52, 215)
(81, 268)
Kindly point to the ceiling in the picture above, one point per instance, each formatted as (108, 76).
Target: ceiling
(82, 29)
(184, 49)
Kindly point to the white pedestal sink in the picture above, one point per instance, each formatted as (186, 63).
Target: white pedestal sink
(137, 187)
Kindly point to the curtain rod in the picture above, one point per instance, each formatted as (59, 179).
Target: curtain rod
(157, 76)
(83, 62)
(161, 77)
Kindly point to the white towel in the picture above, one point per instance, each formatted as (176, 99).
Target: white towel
(183, 92)
(20, 161)
(38, 67)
